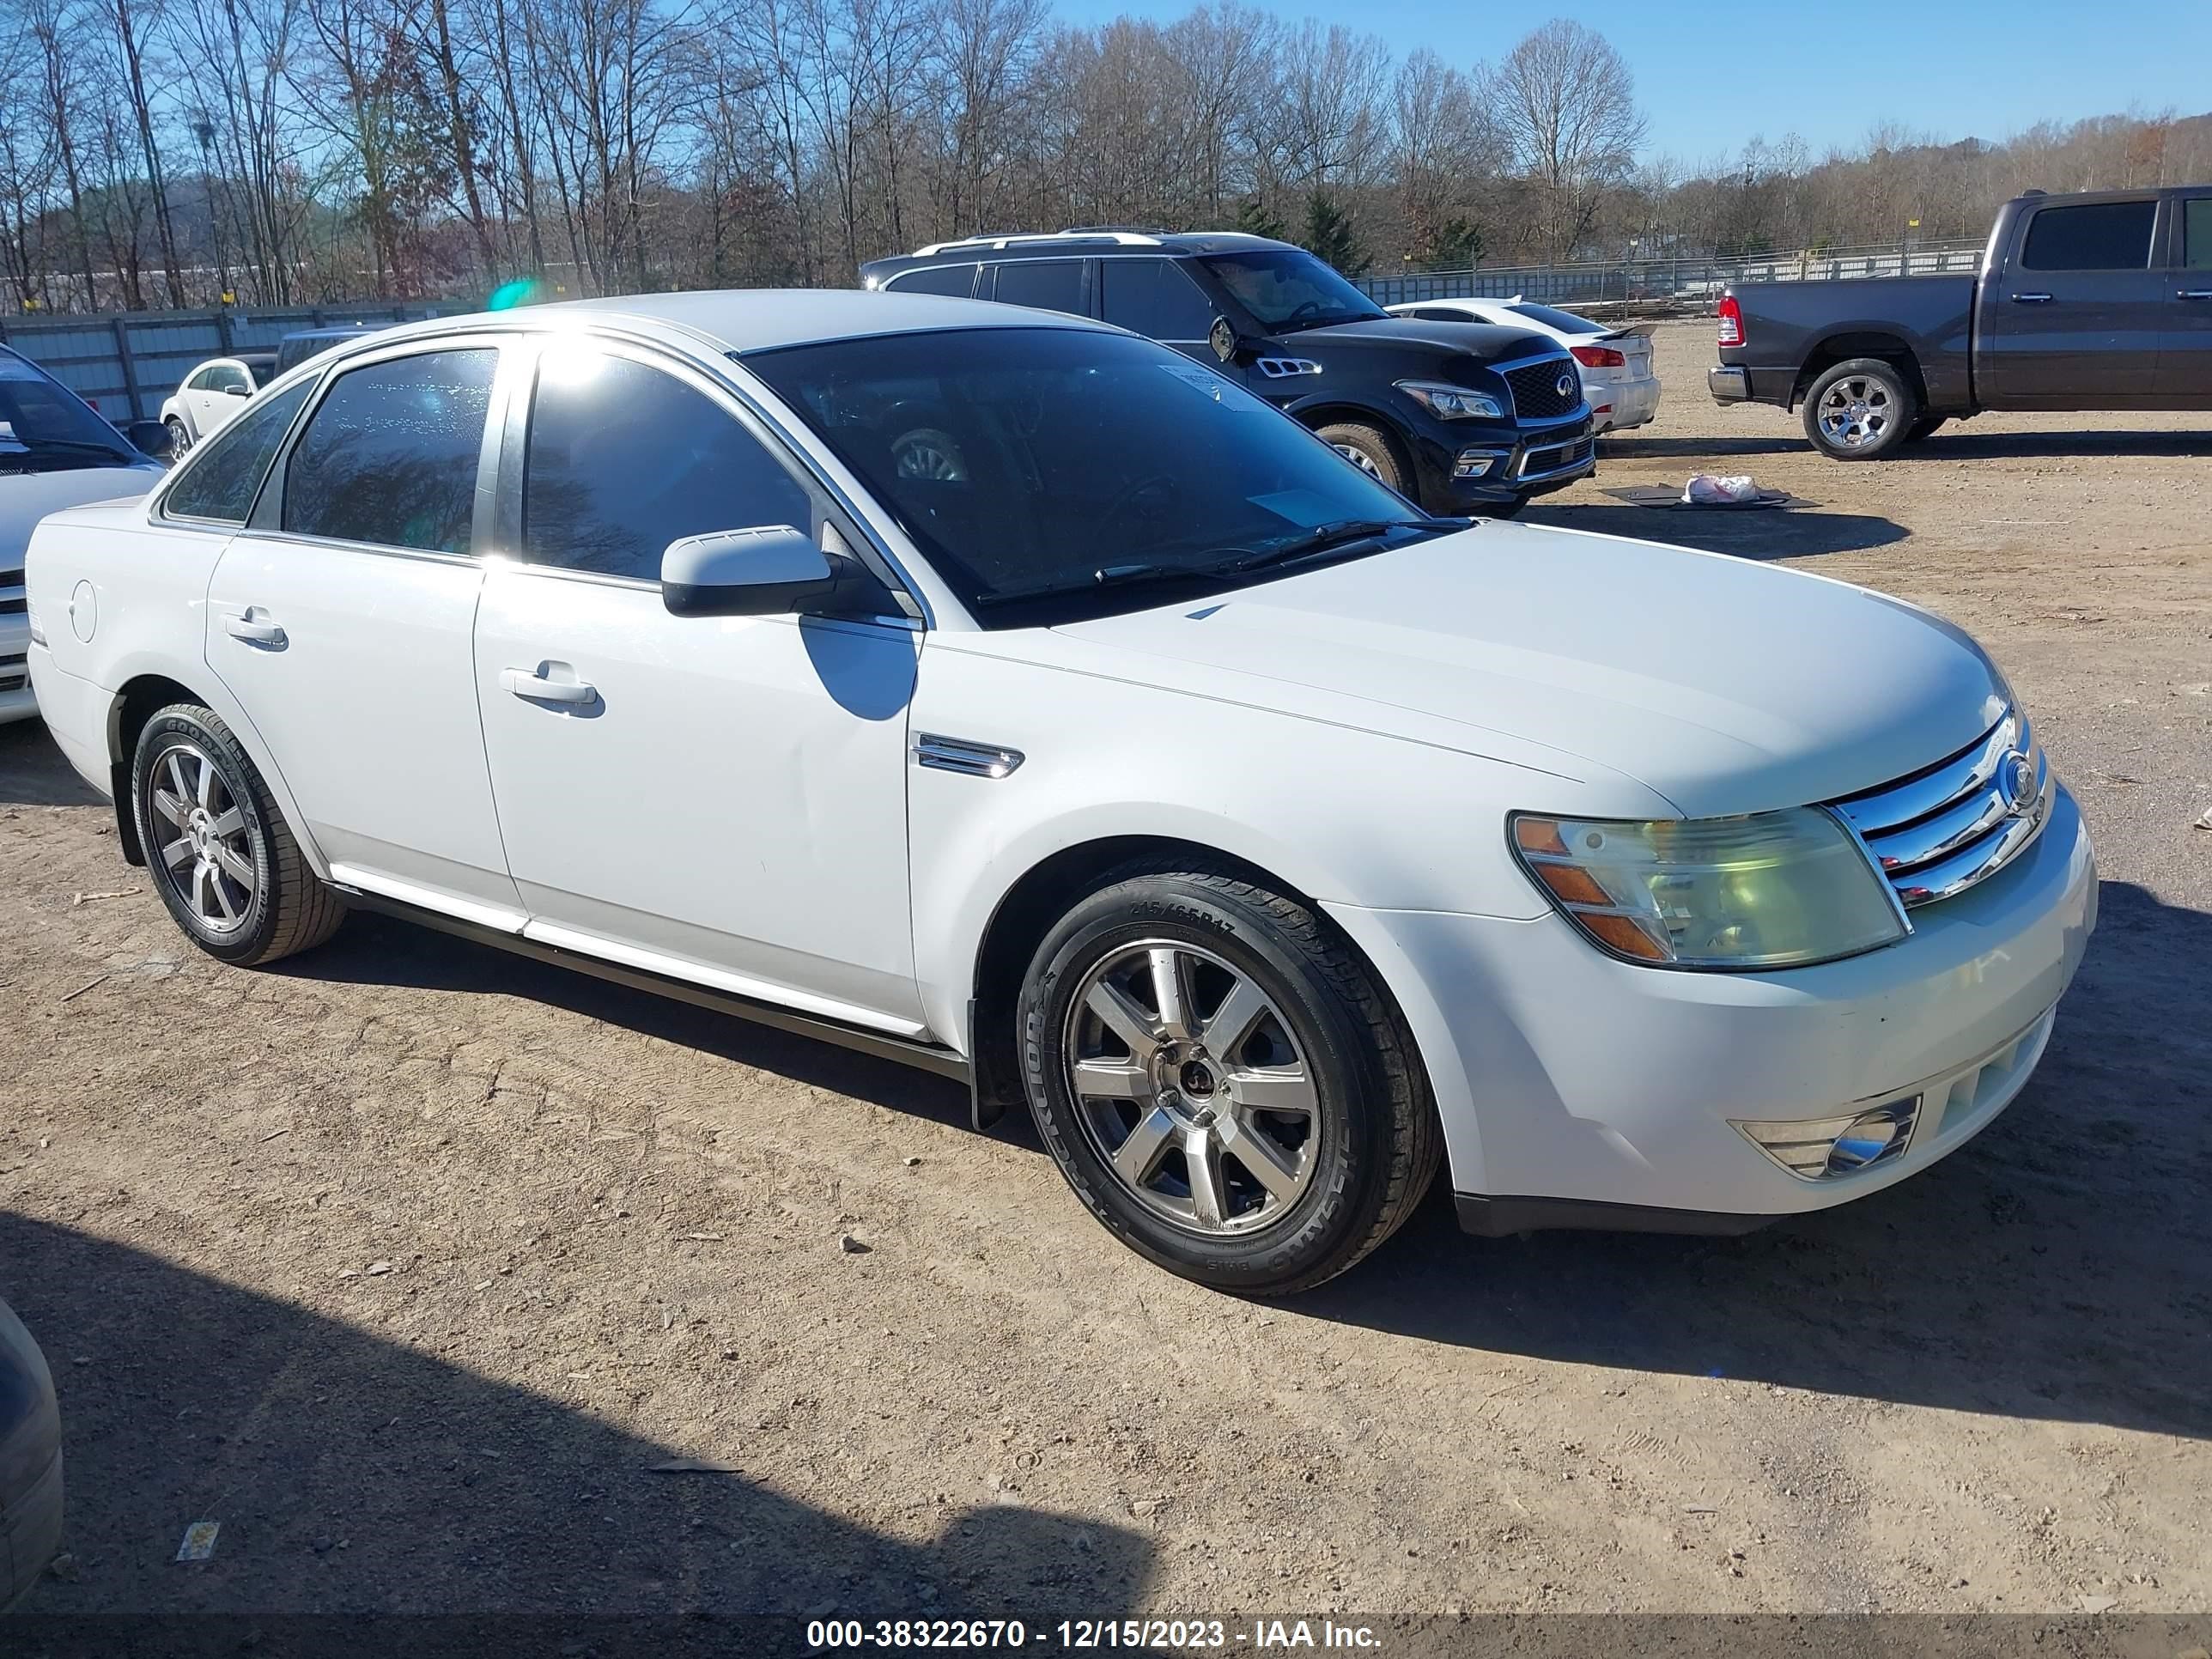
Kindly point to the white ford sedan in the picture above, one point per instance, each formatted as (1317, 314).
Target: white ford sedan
(1012, 696)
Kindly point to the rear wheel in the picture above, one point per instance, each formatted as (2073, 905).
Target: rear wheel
(1861, 410)
(179, 440)
(1222, 1083)
(223, 860)
(1369, 449)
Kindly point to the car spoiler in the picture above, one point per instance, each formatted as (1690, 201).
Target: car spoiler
(1634, 331)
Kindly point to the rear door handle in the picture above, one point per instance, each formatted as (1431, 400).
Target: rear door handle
(2031, 299)
(253, 626)
(2193, 294)
(534, 687)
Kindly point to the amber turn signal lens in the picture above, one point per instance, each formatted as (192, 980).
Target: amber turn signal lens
(1621, 934)
(1538, 835)
(1573, 886)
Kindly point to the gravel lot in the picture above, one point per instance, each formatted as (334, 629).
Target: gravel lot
(409, 1261)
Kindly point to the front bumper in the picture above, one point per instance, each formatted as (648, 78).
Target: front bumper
(1577, 1089)
(1518, 463)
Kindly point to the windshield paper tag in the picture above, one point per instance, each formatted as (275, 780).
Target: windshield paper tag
(1191, 375)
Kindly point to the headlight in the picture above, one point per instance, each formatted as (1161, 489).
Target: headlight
(1453, 402)
(1772, 890)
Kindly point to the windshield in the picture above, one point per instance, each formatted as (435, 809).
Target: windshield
(1286, 289)
(1550, 317)
(42, 422)
(1052, 464)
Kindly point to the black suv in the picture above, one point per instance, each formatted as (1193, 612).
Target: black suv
(1460, 416)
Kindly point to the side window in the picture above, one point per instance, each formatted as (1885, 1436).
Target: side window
(389, 458)
(202, 381)
(624, 459)
(957, 281)
(1153, 298)
(219, 479)
(1046, 284)
(228, 378)
(2095, 236)
(2196, 233)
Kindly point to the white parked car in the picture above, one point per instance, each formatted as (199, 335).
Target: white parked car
(1139, 756)
(212, 393)
(1615, 362)
(55, 451)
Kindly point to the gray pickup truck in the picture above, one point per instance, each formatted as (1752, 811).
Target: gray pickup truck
(2091, 301)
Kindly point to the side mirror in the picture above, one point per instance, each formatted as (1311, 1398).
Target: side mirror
(770, 570)
(151, 438)
(236, 391)
(1222, 337)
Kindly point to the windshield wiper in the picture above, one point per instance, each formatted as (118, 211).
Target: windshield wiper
(1112, 575)
(1335, 536)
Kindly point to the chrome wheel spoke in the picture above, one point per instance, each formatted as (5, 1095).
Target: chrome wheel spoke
(1274, 1089)
(235, 865)
(1123, 1017)
(1139, 1158)
(1229, 1028)
(173, 764)
(202, 879)
(203, 786)
(228, 823)
(1209, 1191)
(172, 807)
(1272, 1165)
(224, 901)
(1171, 991)
(1112, 1079)
(174, 854)
(210, 867)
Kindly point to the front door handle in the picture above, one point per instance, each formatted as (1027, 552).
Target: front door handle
(2031, 299)
(533, 686)
(2193, 294)
(253, 626)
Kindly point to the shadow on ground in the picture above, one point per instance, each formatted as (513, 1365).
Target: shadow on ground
(351, 1475)
(1747, 532)
(2059, 1266)
(33, 774)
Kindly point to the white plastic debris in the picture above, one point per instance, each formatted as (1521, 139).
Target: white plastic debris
(1704, 489)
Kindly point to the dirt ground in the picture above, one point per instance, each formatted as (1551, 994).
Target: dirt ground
(410, 1263)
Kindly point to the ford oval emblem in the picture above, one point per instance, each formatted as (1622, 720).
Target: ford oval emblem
(1565, 385)
(2016, 784)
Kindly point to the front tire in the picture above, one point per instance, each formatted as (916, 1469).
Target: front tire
(1369, 449)
(1221, 1081)
(179, 440)
(221, 855)
(1861, 410)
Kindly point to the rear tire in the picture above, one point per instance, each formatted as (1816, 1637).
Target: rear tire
(179, 440)
(1861, 410)
(221, 855)
(1369, 449)
(1259, 1125)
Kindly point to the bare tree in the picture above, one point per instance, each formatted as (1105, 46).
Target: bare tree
(1566, 103)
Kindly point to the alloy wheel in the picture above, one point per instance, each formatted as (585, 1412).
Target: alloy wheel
(1193, 1087)
(205, 852)
(1857, 412)
(1360, 459)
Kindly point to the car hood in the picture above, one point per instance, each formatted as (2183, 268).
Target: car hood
(26, 498)
(1489, 341)
(1723, 685)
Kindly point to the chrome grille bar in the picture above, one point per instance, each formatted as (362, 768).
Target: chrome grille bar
(1940, 830)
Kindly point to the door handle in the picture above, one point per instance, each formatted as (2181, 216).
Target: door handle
(252, 625)
(534, 687)
(2193, 294)
(2031, 299)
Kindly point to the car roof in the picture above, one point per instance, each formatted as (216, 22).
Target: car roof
(743, 321)
(1106, 242)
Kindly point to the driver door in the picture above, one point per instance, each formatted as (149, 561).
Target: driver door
(720, 798)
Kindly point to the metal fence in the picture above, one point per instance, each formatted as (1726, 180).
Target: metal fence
(1698, 282)
(125, 364)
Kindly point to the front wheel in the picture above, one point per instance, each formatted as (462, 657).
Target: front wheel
(1369, 449)
(179, 440)
(227, 866)
(1222, 1083)
(1861, 410)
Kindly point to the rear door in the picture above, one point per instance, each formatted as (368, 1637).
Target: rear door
(1156, 298)
(1045, 284)
(2185, 345)
(340, 619)
(2078, 311)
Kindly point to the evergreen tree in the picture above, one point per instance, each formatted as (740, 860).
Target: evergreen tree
(1329, 234)
(1254, 219)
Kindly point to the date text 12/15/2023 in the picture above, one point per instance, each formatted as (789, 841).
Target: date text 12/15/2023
(1087, 1635)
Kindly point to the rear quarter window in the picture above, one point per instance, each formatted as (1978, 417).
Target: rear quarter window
(219, 481)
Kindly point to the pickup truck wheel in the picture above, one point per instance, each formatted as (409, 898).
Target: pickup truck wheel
(223, 860)
(1860, 411)
(1222, 1083)
(1368, 448)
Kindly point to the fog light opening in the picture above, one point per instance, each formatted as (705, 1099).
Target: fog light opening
(1823, 1149)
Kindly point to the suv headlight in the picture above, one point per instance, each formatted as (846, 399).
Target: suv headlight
(1453, 402)
(1772, 889)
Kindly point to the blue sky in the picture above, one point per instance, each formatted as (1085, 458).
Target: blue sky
(1711, 73)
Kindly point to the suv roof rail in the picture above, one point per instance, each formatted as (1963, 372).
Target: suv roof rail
(1127, 238)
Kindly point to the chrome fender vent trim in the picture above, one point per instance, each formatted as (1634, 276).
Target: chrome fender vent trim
(974, 760)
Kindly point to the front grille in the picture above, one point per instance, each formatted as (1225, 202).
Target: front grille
(1940, 830)
(1552, 458)
(1536, 394)
(12, 600)
(13, 672)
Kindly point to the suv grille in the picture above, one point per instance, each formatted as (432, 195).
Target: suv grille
(13, 601)
(1960, 821)
(1536, 394)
